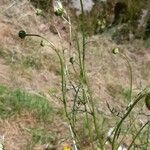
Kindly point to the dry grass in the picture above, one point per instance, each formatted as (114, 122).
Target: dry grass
(108, 75)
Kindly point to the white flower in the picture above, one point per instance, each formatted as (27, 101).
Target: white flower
(58, 8)
(122, 147)
(110, 132)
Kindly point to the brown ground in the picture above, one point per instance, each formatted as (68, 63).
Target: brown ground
(107, 73)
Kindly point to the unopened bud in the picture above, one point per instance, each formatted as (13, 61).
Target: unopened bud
(115, 50)
(22, 34)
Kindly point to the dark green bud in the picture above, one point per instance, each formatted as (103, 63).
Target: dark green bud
(147, 101)
(22, 34)
(42, 44)
(58, 13)
(71, 60)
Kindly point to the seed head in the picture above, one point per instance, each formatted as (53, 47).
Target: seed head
(71, 60)
(22, 34)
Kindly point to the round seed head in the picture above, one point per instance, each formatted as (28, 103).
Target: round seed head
(71, 60)
(22, 34)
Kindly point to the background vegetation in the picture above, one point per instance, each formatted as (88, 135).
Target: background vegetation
(63, 87)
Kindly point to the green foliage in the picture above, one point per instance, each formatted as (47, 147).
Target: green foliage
(14, 102)
(79, 104)
(41, 136)
(31, 61)
(134, 8)
(121, 34)
(6, 55)
(42, 4)
(126, 94)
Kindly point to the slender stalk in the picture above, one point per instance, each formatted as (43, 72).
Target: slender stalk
(138, 134)
(83, 74)
(89, 128)
(130, 72)
(83, 32)
(74, 104)
(140, 96)
(74, 139)
(63, 77)
(147, 138)
(51, 44)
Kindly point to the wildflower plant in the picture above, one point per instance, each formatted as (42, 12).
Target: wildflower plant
(132, 103)
(76, 93)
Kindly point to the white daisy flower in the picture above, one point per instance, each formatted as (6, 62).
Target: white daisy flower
(58, 8)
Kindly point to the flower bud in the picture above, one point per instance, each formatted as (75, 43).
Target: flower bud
(39, 12)
(58, 8)
(42, 43)
(147, 101)
(22, 34)
(115, 50)
(71, 60)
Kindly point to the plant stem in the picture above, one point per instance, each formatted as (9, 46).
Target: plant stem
(130, 72)
(138, 134)
(83, 33)
(140, 96)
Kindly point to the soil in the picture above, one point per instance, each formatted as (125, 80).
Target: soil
(108, 74)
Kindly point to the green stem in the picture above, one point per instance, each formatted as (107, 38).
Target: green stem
(63, 79)
(89, 128)
(140, 96)
(130, 72)
(137, 135)
(147, 138)
(83, 33)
